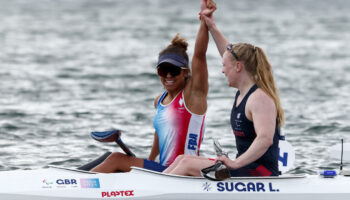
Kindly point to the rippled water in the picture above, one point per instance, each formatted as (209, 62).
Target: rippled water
(70, 67)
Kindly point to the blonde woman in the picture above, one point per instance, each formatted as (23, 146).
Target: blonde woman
(256, 115)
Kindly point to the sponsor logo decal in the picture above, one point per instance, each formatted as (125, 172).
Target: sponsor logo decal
(67, 183)
(238, 126)
(239, 133)
(90, 183)
(181, 107)
(245, 187)
(47, 184)
(181, 102)
(60, 183)
(192, 141)
(206, 186)
(121, 193)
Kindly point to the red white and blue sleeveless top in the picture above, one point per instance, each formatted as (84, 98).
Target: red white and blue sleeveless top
(179, 131)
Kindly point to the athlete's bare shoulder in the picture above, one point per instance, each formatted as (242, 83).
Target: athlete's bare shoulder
(156, 100)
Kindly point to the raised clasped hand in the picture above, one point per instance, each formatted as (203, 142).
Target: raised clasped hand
(207, 8)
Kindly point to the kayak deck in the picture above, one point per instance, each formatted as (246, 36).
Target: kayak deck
(142, 170)
(71, 184)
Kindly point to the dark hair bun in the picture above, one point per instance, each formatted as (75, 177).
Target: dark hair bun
(179, 42)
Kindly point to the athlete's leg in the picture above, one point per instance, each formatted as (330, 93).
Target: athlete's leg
(118, 162)
(174, 164)
(191, 165)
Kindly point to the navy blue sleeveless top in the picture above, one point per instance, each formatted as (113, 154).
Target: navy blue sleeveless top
(244, 132)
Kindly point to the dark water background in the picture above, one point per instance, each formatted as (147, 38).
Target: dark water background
(70, 67)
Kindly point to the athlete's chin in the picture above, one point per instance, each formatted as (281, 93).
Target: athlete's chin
(230, 84)
(170, 87)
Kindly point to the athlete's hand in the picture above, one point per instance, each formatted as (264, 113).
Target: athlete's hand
(227, 162)
(211, 4)
(207, 7)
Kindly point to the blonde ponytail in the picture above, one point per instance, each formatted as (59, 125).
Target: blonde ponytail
(257, 64)
(265, 81)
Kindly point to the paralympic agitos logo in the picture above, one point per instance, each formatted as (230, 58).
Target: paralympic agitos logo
(121, 193)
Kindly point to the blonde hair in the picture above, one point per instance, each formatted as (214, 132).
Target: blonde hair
(257, 64)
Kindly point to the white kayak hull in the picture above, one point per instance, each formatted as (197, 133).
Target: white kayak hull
(66, 184)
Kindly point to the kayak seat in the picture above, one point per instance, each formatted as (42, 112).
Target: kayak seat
(106, 136)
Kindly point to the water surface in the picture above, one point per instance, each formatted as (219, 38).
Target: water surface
(70, 67)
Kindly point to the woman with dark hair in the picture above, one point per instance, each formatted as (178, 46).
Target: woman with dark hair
(256, 115)
(180, 117)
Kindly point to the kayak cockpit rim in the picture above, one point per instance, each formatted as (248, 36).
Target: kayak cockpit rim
(289, 176)
(142, 170)
(71, 169)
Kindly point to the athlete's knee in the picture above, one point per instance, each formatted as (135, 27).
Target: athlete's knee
(115, 157)
(179, 158)
(186, 161)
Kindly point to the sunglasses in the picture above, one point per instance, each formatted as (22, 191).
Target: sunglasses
(163, 70)
(229, 47)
